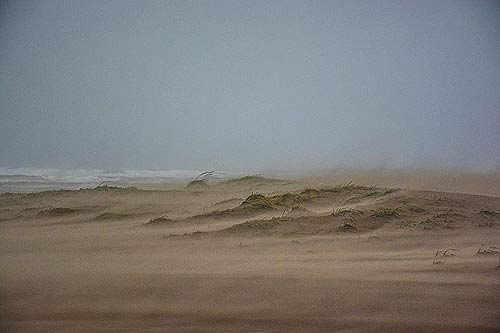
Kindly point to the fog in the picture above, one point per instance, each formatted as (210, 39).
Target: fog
(249, 85)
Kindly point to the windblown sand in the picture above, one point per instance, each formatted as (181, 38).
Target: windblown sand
(294, 257)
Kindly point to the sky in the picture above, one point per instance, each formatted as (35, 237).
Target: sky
(249, 85)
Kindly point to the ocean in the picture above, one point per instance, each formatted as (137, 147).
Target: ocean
(35, 179)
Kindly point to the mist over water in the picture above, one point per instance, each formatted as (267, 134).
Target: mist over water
(249, 86)
(37, 179)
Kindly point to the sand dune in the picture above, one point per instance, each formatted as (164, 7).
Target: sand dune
(294, 256)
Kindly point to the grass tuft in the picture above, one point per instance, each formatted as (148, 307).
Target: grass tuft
(257, 202)
(159, 220)
(489, 213)
(386, 212)
(347, 212)
(201, 180)
(347, 227)
(57, 211)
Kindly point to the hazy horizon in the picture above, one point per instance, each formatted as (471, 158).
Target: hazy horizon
(262, 85)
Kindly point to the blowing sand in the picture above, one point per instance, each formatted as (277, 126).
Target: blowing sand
(252, 254)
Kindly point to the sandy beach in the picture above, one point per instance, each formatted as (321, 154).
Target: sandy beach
(249, 166)
(250, 254)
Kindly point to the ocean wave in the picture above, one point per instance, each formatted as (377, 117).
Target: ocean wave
(19, 175)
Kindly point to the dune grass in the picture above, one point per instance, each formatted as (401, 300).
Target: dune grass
(257, 202)
(201, 180)
(489, 213)
(159, 220)
(347, 212)
(386, 212)
(57, 211)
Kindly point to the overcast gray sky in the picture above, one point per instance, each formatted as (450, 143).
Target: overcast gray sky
(241, 85)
